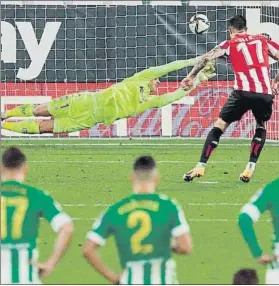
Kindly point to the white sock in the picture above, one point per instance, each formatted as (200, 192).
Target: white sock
(201, 165)
(251, 165)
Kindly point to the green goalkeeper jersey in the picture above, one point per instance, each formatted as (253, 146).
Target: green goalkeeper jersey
(22, 206)
(133, 96)
(143, 225)
(265, 200)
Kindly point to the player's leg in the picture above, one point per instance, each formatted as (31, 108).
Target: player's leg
(29, 126)
(257, 145)
(262, 110)
(25, 110)
(211, 143)
(41, 110)
(57, 108)
(232, 111)
(59, 125)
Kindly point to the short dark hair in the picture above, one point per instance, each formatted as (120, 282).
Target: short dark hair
(13, 158)
(246, 276)
(144, 163)
(238, 22)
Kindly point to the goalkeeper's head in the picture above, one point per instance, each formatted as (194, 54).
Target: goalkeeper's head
(13, 165)
(145, 176)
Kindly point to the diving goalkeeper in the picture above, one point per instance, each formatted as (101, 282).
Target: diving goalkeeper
(83, 110)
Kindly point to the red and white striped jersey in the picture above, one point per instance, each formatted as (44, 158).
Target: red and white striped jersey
(249, 55)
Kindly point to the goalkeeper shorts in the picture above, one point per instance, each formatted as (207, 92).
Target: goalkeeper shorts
(71, 113)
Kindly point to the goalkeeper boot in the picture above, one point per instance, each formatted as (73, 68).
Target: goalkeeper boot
(248, 172)
(197, 172)
(3, 116)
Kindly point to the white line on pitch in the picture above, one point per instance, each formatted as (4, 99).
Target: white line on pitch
(73, 205)
(167, 162)
(136, 144)
(192, 220)
(208, 182)
(187, 204)
(214, 204)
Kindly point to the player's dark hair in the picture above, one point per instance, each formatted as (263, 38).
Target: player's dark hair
(246, 276)
(237, 22)
(13, 158)
(144, 163)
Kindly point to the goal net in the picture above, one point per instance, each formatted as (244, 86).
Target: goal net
(53, 48)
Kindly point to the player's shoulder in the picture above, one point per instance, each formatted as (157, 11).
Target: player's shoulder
(114, 208)
(21, 188)
(225, 44)
(260, 37)
(270, 190)
(272, 187)
(168, 201)
(33, 191)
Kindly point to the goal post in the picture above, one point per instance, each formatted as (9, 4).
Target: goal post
(53, 48)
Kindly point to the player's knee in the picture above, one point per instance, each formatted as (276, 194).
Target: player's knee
(46, 126)
(221, 124)
(260, 125)
(260, 130)
(41, 110)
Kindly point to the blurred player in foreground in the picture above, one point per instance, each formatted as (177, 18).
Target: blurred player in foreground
(83, 110)
(265, 200)
(249, 55)
(21, 209)
(143, 225)
(246, 276)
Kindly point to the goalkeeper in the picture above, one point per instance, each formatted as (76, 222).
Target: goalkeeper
(83, 110)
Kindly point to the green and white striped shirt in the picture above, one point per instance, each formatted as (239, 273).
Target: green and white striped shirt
(16, 266)
(153, 272)
(143, 226)
(22, 206)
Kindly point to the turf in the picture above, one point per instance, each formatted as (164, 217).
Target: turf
(87, 175)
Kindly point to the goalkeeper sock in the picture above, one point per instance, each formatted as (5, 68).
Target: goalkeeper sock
(25, 110)
(210, 144)
(257, 144)
(26, 126)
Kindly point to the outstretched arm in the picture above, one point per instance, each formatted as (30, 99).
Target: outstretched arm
(165, 99)
(155, 72)
(217, 52)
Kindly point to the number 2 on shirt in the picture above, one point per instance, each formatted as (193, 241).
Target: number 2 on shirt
(243, 47)
(143, 219)
(20, 205)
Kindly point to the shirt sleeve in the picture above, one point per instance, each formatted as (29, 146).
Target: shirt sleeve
(179, 224)
(225, 46)
(273, 47)
(52, 211)
(101, 229)
(250, 214)
(159, 71)
(258, 204)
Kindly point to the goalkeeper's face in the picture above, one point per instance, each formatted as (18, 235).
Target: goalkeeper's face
(154, 84)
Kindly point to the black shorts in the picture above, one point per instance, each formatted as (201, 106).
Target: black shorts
(240, 102)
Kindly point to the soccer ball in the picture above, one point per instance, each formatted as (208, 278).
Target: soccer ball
(199, 24)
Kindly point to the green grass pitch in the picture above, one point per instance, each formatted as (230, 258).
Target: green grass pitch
(87, 175)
